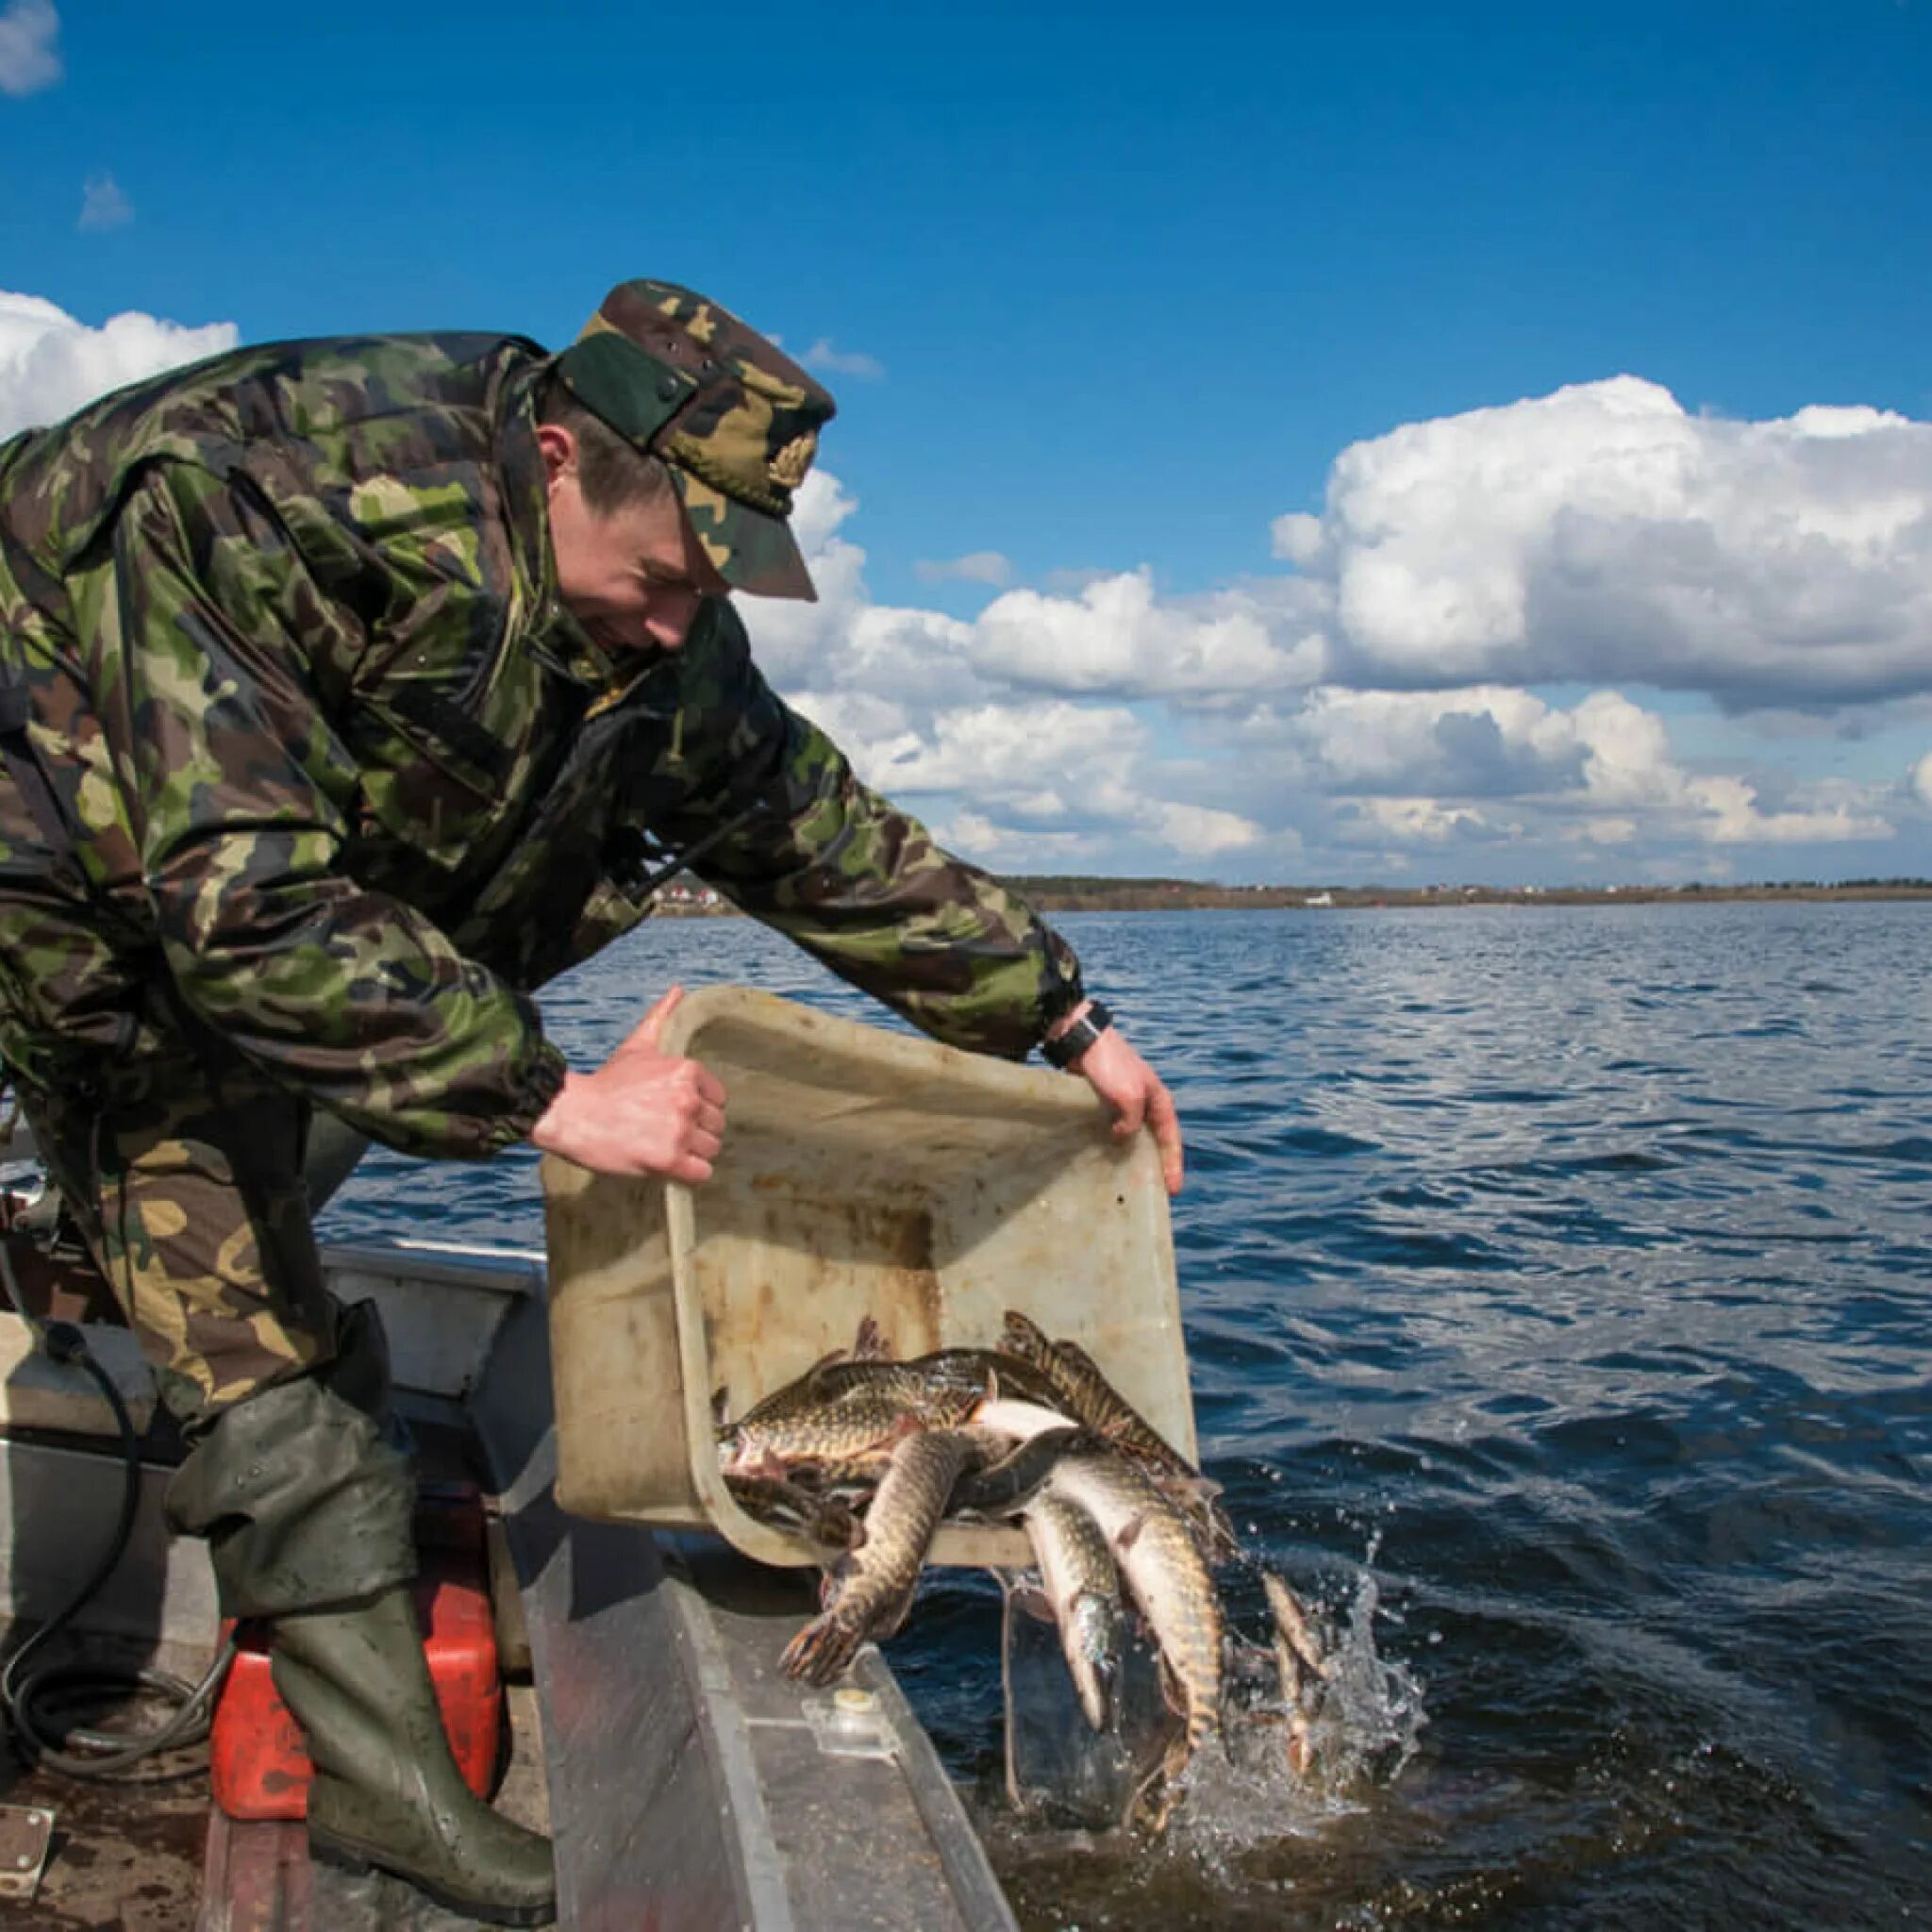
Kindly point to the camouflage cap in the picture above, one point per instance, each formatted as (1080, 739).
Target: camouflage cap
(736, 420)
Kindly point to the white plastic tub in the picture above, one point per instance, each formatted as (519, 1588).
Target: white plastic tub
(864, 1173)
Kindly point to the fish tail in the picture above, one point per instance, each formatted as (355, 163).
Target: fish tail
(1023, 1336)
(822, 1649)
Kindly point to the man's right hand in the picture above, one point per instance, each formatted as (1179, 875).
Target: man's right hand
(642, 1111)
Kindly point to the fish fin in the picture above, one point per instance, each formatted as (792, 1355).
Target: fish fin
(869, 1344)
(1188, 1489)
(814, 1376)
(1300, 1747)
(1214, 1534)
(1197, 1497)
(1130, 1532)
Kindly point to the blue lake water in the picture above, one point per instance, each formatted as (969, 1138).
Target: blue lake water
(1557, 1284)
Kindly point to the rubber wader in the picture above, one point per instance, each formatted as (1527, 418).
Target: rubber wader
(307, 1505)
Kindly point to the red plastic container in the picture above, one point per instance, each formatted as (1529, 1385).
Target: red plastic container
(259, 1767)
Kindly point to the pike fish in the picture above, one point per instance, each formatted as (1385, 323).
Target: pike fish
(869, 1589)
(1083, 1592)
(944, 1369)
(1082, 1390)
(1164, 1572)
(846, 1404)
(1304, 1666)
(845, 1422)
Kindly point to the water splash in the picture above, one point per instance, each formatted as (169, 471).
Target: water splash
(1245, 1822)
(1363, 1724)
(1371, 1719)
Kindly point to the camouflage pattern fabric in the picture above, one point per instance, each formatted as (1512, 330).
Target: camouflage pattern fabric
(345, 781)
(186, 1182)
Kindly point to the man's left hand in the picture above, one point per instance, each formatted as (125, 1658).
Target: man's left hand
(1138, 1097)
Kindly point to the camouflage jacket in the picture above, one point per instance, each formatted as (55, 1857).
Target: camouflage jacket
(346, 774)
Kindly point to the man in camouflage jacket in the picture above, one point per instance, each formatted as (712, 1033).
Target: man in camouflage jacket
(348, 691)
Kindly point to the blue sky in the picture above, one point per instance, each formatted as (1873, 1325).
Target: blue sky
(1110, 290)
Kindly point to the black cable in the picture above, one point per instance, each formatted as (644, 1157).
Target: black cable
(20, 1691)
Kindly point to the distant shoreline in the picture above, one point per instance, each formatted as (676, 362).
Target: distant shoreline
(1062, 894)
(1353, 898)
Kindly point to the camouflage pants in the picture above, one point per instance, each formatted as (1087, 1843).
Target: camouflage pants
(188, 1195)
(181, 1166)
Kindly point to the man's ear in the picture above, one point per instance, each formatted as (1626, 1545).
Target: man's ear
(559, 447)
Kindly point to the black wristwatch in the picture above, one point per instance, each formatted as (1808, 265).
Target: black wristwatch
(1070, 1044)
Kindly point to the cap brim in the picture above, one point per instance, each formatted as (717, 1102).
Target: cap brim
(753, 552)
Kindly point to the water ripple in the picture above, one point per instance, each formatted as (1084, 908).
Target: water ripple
(1556, 1284)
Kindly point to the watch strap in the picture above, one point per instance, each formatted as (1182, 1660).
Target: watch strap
(1068, 1047)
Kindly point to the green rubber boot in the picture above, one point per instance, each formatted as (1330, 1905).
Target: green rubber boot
(306, 1503)
(387, 1791)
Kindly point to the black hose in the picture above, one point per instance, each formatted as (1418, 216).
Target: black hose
(22, 1691)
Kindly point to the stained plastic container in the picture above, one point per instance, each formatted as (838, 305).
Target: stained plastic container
(864, 1172)
(259, 1767)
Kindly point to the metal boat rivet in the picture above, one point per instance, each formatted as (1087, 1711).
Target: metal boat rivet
(851, 1703)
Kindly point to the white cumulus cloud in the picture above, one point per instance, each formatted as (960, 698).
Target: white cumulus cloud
(1427, 764)
(1604, 532)
(1034, 779)
(832, 362)
(1202, 832)
(50, 364)
(1117, 638)
(1320, 705)
(1922, 780)
(29, 61)
(975, 567)
(103, 205)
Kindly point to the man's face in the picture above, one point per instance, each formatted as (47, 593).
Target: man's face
(633, 577)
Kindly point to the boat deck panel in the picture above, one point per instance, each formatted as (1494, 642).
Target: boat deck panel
(124, 1858)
